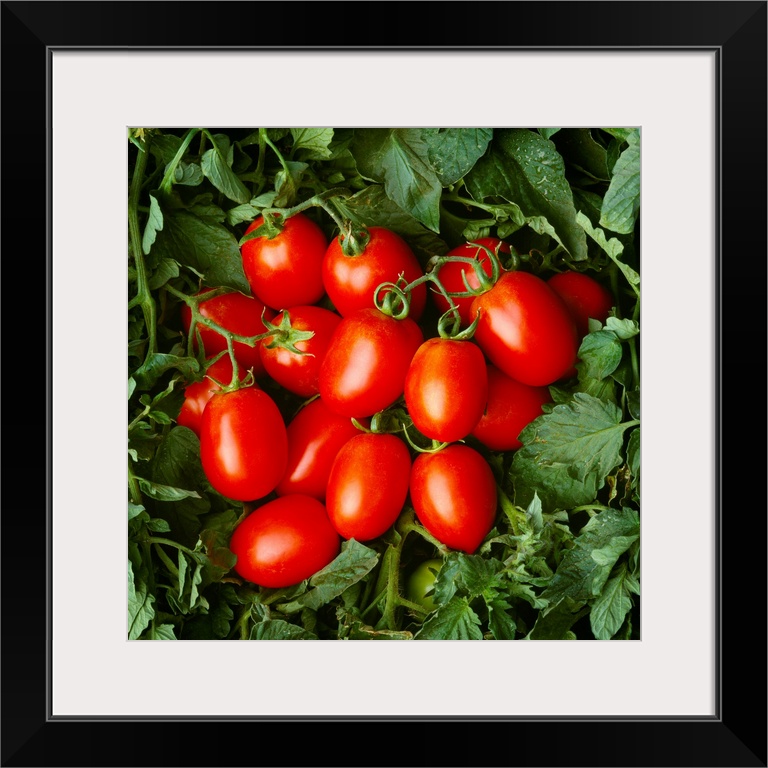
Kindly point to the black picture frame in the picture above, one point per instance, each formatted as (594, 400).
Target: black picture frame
(736, 736)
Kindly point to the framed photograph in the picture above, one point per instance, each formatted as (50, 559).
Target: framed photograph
(691, 78)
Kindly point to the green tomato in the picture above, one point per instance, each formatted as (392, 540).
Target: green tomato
(421, 583)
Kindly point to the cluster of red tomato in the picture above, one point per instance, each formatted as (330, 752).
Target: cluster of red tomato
(334, 476)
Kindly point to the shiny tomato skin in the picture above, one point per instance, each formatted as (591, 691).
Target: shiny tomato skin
(525, 329)
(350, 281)
(366, 363)
(299, 373)
(243, 443)
(511, 406)
(286, 271)
(284, 542)
(236, 313)
(584, 296)
(197, 394)
(368, 485)
(315, 436)
(451, 279)
(453, 492)
(446, 388)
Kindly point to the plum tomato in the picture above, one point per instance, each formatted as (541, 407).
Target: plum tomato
(284, 542)
(299, 373)
(198, 393)
(243, 443)
(315, 436)
(446, 388)
(286, 271)
(511, 406)
(584, 296)
(453, 492)
(238, 314)
(525, 329)
(368, 485)
(350, 281)
(366, 363)
(450, 274)
(420, 586)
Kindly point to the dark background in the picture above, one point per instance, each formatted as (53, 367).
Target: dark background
(736, 737)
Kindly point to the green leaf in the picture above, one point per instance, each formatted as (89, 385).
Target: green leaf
(580, 150)
(526, 169)
(611, 607)
(568, 453)
(312, 143)
(633, 457)
(600, 354)
(177, 464)
(372, 208)
(500, 623)
(153, 226)
(548, 133)
(159, 632)
(453, 151)
(287, 183)
(621, 203)
(140, 606)
(556, 623)
(475, 574)
(353, 563)
(216, 168)
(165, 492)
(585, 568)
(188, 174)
(454, 621)
(208, 248)
(612, 247)
(399, 159)
(278, 629)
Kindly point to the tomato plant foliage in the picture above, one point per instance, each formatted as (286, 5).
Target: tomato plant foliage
(280, 283)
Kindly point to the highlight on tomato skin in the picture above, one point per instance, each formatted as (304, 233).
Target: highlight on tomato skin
(286, 271)
(446, 388)
(198, 393)
(284, 542)
(367, 361)
(511, 406)
(453, 492)
(351, 281)
(299, 373)
(315, 436)
(243, 443)
(236, 313)
(451, 279)
(525, 329)
(368, 485)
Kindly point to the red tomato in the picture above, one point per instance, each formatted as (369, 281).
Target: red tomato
(315, 435)
(453, 493)
(446, 388)
(525, 329)
(350, 281)
(235, 313)
(197, 394)
(511, 406)
(366, 363)
(450, 274)
(284, 542)
(287, 270)
(299, 373)
(368, 485)
(584, 296)
(243, 443)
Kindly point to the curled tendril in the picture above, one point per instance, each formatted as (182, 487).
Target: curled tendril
(391, 299)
